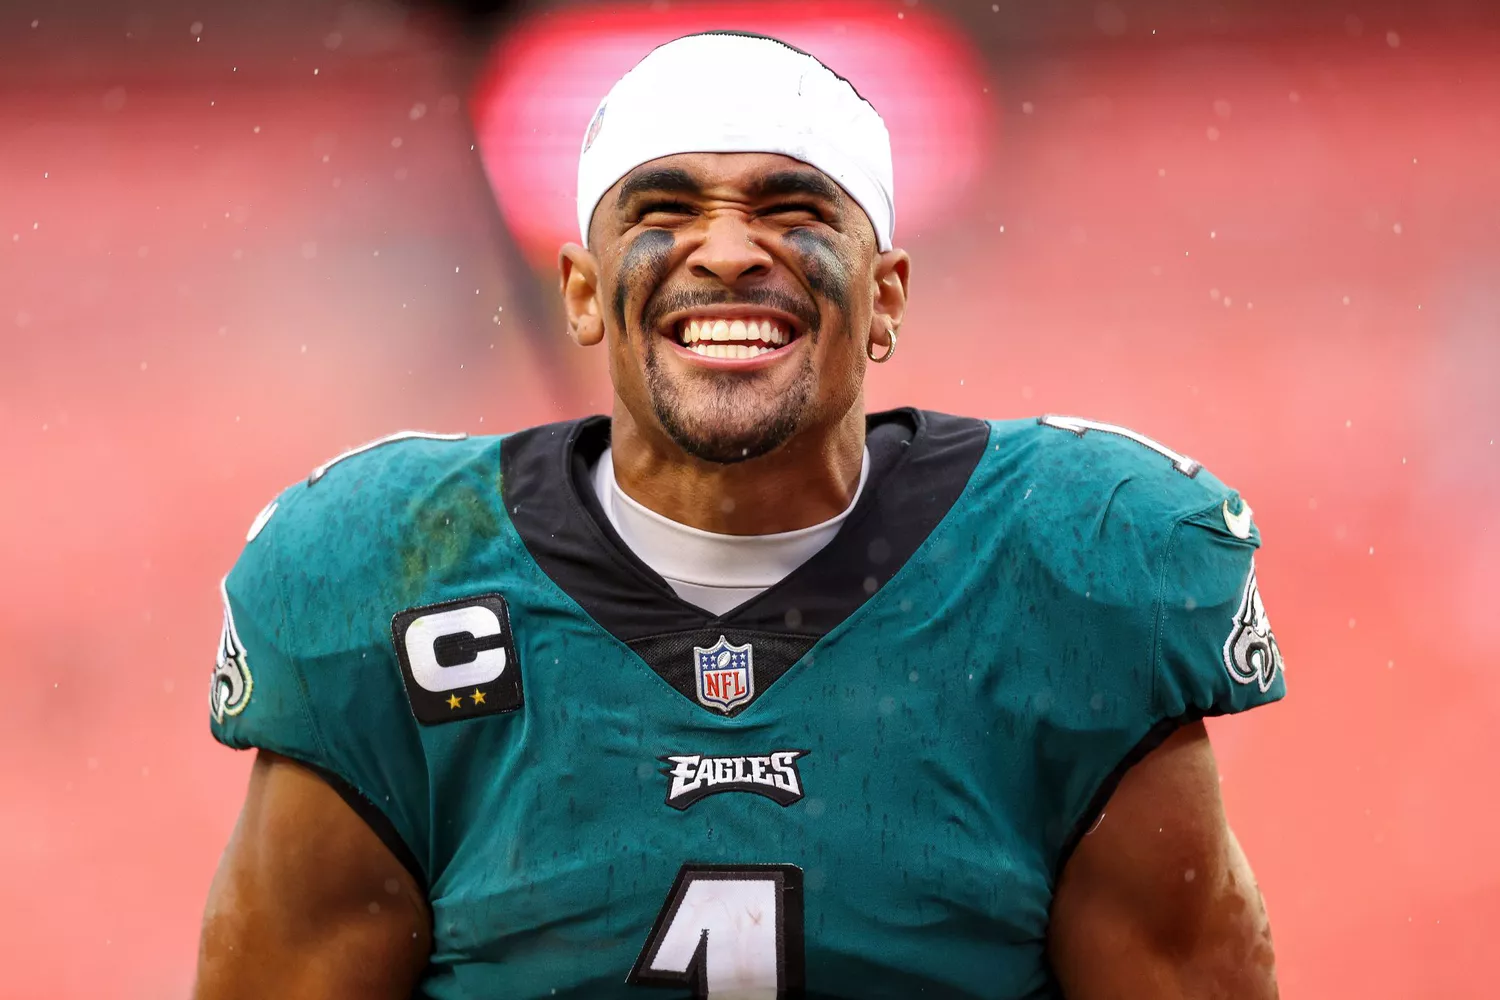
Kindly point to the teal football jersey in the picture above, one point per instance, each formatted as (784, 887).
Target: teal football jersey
(863, 783)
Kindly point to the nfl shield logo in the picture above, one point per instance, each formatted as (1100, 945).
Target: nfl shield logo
(726, 679)
(594, 126)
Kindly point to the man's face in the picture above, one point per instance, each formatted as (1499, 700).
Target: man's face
(737, 294)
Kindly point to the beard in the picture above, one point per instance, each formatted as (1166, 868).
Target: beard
(725, 417)
(729, 417)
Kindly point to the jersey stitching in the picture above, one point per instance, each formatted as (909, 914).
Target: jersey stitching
(723, 627)
(534, 569)
(636, 565)
(537, 573)
(283, 607)
(747, 716)
(326, 760)
(1161, 719)
(1158, 614)
(891, 586)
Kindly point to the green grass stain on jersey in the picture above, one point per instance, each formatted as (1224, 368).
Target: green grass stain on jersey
(443, 530)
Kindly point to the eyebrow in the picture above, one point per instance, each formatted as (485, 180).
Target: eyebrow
(662, 180)
(672, 180)
(805, 182)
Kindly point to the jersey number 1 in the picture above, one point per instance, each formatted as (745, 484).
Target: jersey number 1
(727, 929)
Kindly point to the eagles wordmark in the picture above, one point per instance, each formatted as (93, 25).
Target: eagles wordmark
(694, 776)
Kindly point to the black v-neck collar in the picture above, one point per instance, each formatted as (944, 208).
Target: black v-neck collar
(919, 464)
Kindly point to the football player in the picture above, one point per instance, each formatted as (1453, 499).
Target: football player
(739, 690)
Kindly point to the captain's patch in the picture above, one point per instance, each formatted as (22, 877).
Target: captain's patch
(694, 776)
(1251, 653)
(458, 659)
(230, 691)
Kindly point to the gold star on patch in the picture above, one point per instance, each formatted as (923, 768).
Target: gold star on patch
(454, 701)
(478, 696)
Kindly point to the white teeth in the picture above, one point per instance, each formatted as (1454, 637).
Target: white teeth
(729, 352)
(746, 333)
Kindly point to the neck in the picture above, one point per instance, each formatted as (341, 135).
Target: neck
(806, 481)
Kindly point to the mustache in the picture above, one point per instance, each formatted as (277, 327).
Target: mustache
(665, 302)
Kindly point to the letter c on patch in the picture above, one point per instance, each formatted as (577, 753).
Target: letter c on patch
(421, 640)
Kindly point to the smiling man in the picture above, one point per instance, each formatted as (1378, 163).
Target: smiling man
(741, 691)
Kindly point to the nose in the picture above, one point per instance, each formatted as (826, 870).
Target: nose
(729, 251)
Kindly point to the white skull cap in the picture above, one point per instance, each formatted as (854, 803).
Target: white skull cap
(679, 100)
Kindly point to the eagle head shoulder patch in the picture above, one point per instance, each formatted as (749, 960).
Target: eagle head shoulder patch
(1251, 654)
(230, 690)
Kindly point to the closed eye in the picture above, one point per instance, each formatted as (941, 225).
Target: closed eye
(794, 208)
(665, 208)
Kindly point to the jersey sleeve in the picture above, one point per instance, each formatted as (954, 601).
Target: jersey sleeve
(304, 670)
(258, 697)
(1198, 644)
(1147, 562)
(1215, 653)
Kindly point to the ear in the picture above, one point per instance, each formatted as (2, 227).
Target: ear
(578, 273)
(892, 277)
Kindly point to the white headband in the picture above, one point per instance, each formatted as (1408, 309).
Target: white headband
(730, 93)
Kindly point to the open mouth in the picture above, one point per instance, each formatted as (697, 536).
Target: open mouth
(739, 338)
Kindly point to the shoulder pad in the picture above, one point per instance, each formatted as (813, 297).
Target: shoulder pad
(1150, 478)
(373, 491)
(1081, 426)
(322, 470)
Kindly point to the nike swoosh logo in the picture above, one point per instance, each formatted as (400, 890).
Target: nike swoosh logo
(1238, 524)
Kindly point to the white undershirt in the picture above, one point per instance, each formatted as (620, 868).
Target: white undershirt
(713, 571)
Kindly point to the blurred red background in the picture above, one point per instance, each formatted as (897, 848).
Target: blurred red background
(235, 240)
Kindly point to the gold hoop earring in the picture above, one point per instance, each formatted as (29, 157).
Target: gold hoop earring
(870, 353)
